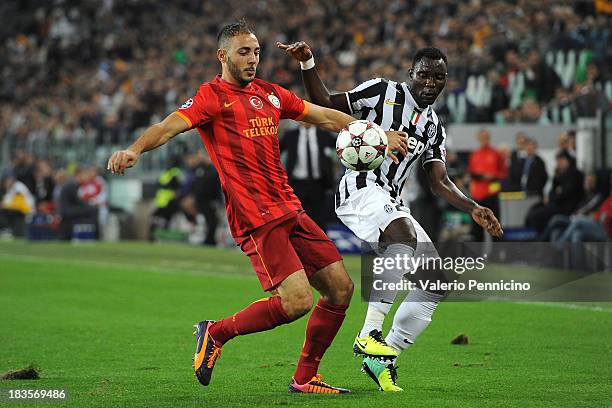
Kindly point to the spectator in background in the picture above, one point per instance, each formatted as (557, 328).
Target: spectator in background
(567, 143)
(72, 209)
(594, 228)
(541, 80)
(307, 152)
(562, 108)
(529, 112)
(486, 168)
(17, 202)
(167, 198)
(202, 192)
(517, 159)
(24, 168)
(59, 178)
(94, 192)
(45, 185)
(565, 195)
(534, 176)
(597, 189)
(187, 202)
(589, 96)
(499, 96)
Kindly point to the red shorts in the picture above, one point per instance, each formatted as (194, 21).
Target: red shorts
(286, 245)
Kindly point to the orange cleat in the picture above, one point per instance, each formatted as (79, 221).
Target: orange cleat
(316, 386)
(207, 352)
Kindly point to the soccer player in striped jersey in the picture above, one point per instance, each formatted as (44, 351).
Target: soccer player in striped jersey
(237, 117)
(370, 204)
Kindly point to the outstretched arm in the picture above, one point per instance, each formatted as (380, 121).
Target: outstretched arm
(316, 89)
(444, 188)
(335, 121)
(155, 136)
(326, 118)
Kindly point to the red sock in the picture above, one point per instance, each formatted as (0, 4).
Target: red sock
(260, 315)
(324, 323)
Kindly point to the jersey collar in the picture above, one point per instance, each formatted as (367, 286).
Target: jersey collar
(223, 82)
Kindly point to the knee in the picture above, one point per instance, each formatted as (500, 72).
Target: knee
(345, 291)
(399, 230)
(341, 293)
(298, 303)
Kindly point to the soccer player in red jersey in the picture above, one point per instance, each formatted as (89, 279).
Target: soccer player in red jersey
(237, 117)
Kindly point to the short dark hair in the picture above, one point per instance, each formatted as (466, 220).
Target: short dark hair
(429, 52)
(231, 30)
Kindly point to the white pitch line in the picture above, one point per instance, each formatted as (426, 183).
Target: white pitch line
(571, 306)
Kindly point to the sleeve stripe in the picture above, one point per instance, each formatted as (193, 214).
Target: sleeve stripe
(348, 101)
(304, 112)
(185, 118)
(366, 94)
(368, 89)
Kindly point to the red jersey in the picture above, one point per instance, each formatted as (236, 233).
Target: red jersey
(486, 161)
(239, 127)
(603, 215)
(94, 191)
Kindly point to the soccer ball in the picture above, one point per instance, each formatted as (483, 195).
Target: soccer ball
(361, 145)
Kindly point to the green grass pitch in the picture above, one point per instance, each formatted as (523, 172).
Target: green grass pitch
(112, 324)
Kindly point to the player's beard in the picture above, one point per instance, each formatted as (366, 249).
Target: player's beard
(237, 73)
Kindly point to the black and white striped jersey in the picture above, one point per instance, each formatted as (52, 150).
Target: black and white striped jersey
(390, 105)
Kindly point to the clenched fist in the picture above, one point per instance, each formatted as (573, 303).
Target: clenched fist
(122, 160)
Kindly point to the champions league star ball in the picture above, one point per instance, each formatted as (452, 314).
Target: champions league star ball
(361, 145)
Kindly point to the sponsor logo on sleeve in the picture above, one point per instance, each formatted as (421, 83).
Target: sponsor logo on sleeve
(187, 104)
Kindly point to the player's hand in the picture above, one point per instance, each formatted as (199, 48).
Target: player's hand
(122, 160)
(396, 143)
(298, 50)
(487, 220)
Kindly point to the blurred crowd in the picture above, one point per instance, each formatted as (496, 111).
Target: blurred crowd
(42, 202)
(33, 193)
(101, 69)
(567, 204)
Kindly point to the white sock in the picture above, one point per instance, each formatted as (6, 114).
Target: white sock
(375, 317)
(381, 300)
(411, 318)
